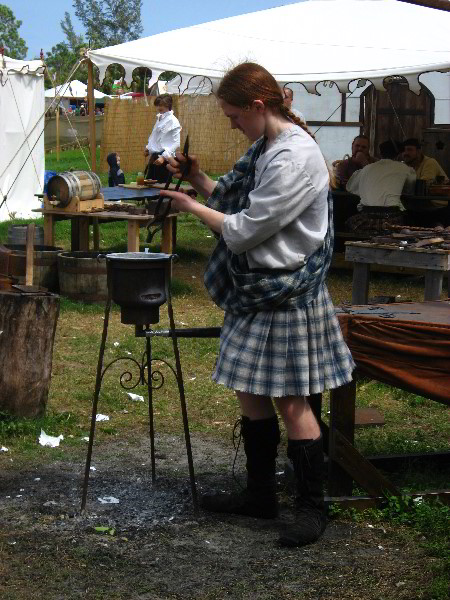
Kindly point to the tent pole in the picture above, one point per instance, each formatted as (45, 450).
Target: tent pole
(91, 110)
(57, 130)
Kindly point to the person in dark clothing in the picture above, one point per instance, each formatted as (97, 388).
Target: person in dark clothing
(116, 174)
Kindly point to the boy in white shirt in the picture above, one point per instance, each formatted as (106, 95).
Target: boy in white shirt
(164, 140)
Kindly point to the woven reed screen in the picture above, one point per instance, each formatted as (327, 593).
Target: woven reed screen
(128, 124)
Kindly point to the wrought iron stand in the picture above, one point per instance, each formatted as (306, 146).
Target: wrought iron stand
(152, 377)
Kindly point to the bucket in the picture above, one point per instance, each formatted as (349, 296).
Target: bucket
(45, 265)
(17, 234)
(65, 186)
(82, 276)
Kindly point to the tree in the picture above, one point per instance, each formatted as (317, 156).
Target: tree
(63, 57)
(74, 40)
(10, 39)
(109, 22)
(60, 62)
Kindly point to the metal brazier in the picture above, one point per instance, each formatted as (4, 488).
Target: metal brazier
(139, 284)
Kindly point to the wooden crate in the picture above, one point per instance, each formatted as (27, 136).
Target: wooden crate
(76, 205)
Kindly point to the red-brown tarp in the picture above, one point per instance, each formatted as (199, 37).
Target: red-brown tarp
(406, 345)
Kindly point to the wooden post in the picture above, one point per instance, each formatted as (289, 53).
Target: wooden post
(342, 418)
(373, 121)
(433, 285)
(91, 109)
(58, 148)
(133, 236)
(360, 287)
(29, 254)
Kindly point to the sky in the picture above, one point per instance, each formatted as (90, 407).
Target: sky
(41, 18)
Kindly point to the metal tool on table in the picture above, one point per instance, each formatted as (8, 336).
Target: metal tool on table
(158, 217)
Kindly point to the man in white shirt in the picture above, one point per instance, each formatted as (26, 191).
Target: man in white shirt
(380, 185)
(164, 140)
(288, 97)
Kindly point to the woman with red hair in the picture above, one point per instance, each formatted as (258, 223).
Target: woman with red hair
(280, 341)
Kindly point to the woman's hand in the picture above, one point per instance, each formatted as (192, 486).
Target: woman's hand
(177, 164)
(180, 200)
(159, 161)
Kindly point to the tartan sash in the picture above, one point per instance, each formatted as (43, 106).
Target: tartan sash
(232, 285)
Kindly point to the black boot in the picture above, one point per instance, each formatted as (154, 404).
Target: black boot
(259, 499)
(307, 460)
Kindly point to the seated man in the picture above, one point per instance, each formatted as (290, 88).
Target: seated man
(426, 167)
(380, 186)
(288, 95)
(360, 158)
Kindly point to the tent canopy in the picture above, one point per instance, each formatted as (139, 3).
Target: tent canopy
(73, 89)
(307, 42)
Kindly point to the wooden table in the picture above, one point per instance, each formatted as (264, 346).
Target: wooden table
(80, 222)
(434, 262)
(345, 463)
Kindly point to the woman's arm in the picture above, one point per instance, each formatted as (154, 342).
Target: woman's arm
(184, 203)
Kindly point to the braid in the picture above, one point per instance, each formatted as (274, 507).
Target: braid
(284, 110)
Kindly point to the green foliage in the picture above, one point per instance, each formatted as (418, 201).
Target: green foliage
(20, 427)
(14, 45)
(73, 39)
(105, 530)
(429, 520)
(60, 62)
(110, 22)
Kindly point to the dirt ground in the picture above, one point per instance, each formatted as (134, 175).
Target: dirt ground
(155, 547)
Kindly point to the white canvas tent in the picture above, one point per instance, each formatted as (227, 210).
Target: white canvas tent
(73, 89)
(307, 42)
(22, 160)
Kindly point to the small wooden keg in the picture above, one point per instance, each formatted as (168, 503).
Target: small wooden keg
(65, 186)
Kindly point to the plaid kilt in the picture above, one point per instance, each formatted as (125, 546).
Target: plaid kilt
(279, 353)
(374, 219)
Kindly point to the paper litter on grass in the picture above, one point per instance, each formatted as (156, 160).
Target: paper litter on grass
(135, 397)
(108, 500)
(49, 440)
(100, 417)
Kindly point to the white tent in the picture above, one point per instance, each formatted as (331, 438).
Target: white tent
(22, 159)
(307, 42)
(73, 89)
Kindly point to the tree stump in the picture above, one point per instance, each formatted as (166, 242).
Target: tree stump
(27, 331)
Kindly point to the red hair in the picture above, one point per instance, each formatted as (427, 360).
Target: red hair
(248, 82)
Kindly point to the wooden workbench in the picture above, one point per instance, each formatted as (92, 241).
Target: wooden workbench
(385, 344)
(434, 262)
(81, 221)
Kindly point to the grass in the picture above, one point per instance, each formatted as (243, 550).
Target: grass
(413, 423)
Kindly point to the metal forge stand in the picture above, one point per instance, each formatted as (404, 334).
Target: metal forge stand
(152, 376)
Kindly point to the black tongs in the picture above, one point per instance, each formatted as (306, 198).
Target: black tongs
(157, 217)
(184, 173)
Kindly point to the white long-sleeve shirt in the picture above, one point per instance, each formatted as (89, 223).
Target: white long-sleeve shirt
(165, 137)
(287, 218)
(381, 183)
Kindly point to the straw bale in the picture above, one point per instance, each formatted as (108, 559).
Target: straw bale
(128, 124)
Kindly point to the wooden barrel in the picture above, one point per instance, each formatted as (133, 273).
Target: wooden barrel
(17, 234)
(45, 265)
(65, 186)
(82, 276)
